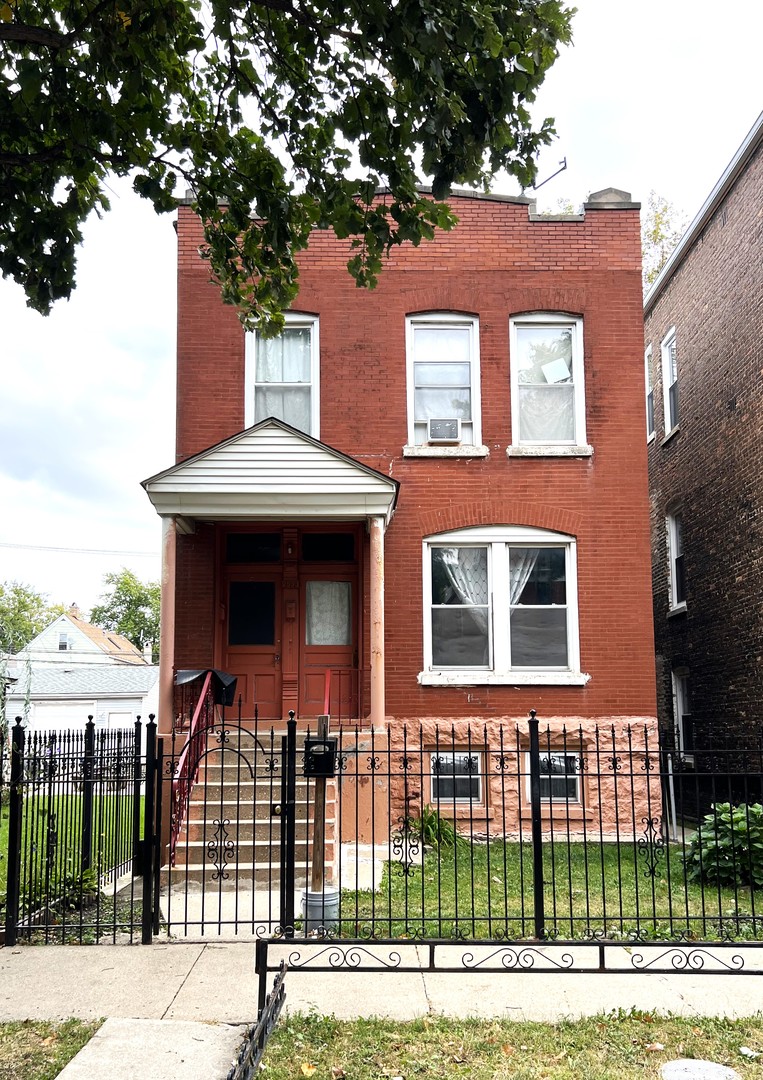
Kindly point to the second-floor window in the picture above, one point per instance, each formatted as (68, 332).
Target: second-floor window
(670, 380)
(282, 375)
(547, 385)
(676, 560)
(649, 393)
(443, 380)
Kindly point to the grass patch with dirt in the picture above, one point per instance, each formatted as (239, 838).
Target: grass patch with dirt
(610, 1047)
(38, 1050)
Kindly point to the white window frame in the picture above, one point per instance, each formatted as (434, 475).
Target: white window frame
(668, 342)
(496, 539)
(674, 552)
(292, 319)
(473, 447)
(679, 678)
(649, 384)
(577, 446)
(558, 752)
(444, 801)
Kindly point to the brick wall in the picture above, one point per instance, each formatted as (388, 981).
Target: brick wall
(711, 467)
(497, 262)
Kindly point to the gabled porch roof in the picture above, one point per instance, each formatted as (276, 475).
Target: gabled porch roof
(272, 471)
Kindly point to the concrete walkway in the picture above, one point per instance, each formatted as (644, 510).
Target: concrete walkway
(177, 1010)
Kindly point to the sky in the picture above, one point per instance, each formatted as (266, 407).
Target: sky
(652, 95)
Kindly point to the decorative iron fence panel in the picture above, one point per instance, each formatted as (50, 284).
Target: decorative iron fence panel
(77, 834)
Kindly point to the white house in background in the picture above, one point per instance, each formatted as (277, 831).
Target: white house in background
(61, 697)
(70, 639)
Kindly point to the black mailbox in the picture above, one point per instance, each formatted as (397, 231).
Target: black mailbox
(320, 757)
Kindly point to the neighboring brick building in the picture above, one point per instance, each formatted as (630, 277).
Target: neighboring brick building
(469, 538)
(704, 360)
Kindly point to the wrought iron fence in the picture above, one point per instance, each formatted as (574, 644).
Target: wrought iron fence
(76, 840)
(247, 1063)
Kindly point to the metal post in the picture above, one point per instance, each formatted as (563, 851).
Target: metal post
(537, 832)
(288, 868)
(158, 848)
(137, 777)
(88, 772)
(15, 807)
(261, 969)
(149, 832)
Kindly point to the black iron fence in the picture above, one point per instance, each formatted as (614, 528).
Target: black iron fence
(79, 834)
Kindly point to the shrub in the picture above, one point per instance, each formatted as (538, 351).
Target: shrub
(728, 846)
(435, 830)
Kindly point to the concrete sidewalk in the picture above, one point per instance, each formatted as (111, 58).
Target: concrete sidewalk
(182, 1006)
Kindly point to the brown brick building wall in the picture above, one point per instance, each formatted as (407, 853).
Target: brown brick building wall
(711, 468)
(496, 263)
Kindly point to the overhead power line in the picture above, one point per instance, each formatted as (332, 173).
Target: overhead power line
(80, 551)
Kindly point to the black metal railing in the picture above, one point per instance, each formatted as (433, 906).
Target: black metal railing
(247, 1063)
(78, 837)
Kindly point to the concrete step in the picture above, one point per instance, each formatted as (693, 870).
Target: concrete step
(246, 827)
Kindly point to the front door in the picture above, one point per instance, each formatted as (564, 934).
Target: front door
(291, 615)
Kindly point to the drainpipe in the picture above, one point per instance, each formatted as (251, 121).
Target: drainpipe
(378, 707)
(167, 630)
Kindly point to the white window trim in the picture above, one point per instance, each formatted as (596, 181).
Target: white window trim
(649, 388)
(674, 605)
(557, 751)
(474, 447)
(444, 801)
(577, 447)
(671, 422)
(499, 674)
(292, 319)
(679, 679)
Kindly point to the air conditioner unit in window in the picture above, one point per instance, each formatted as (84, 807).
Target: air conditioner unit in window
(444, 431)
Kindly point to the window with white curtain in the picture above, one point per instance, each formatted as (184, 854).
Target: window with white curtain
(547, 384)
(282, 375)
(649, 393)
(500, 606)
(443, 376)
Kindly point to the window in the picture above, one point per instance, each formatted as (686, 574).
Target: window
(682, 719)
(670, 381)
(456, 777)
(649, 393)
(560, 774)
(443, 382)
(63, 643)
(282, 375)
(677, 573)
(500, 607)
(547, 385)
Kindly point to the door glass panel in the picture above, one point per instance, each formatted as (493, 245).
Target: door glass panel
(252, 613)
(328, 547)
(253, 547)
(328, 617)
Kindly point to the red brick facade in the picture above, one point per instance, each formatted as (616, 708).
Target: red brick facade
(497, 263)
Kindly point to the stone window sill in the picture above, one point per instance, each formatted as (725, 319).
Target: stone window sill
(464, 450)
(549, 450)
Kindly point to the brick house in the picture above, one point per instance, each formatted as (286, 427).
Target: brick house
(703, 357)
(434, 491)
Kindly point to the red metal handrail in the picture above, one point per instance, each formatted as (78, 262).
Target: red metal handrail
(188, 764)
(332, 705)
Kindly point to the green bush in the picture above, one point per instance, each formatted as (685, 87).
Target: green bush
(434, 829)
(728, 846)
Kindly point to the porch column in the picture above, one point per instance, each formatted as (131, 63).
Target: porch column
(167, 629)
(378, 706)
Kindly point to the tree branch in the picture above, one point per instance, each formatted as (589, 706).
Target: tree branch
(33, 35)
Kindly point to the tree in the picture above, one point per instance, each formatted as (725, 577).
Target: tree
(662, 226)
(294, 111)
(24, 613)
(130, 608)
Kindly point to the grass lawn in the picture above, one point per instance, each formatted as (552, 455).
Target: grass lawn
(486, 891)
(611, 1047)
(37, 1050)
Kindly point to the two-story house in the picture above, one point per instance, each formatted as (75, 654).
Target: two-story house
(704, 381)
(427, 500)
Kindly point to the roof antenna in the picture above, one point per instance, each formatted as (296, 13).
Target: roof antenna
(563, 164)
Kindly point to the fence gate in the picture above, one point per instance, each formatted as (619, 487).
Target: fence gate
(80, 837)
(232, 813)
